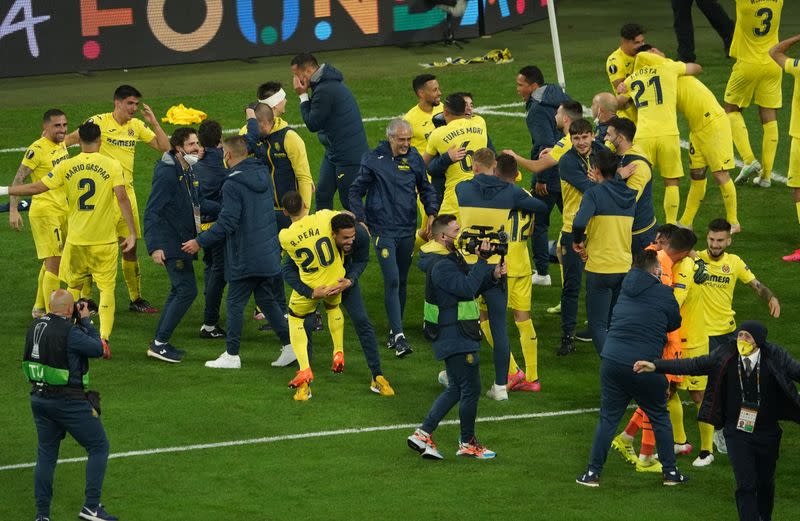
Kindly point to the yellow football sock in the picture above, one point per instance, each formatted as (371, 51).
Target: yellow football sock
(728, 191)
(672, 203)
(797, 209)
(769, 147)
(39, 303)
(530, 349)
(675, 408)
(50, 283)
(133, 278)
(336, 327)
(86, 290)
(741, 139)
(513, 367)
(418, 242)
(706, 435)
(106, 309)
(697, 191)
(299, 340)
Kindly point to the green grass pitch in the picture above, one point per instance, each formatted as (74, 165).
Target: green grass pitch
(370, 475)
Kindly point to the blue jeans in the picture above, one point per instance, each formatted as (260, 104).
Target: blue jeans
(464, 388)
(333, 178)
(541, 225)
(180, 298)
(394, 257)
(264, 289)
(618, 386)
(570, 293)
(602, 290)
(54, 418)
(214, 275)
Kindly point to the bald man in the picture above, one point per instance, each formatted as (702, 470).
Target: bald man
(56, 361)
(604, 107)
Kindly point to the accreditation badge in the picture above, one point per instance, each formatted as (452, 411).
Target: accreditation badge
(747, 418)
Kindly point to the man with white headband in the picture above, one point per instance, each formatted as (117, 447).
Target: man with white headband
(332, 112)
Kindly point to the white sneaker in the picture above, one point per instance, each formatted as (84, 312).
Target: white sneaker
(497, 392)
(541, 280)
(443, 378)
(719, 442)
(703, 462)
(746, 171)
(287, 357)
(225, 361)
(761, 182)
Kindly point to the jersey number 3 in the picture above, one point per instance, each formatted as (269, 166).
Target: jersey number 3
(83, 200)
(765, 13)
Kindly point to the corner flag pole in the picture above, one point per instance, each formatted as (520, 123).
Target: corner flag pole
(551, 12)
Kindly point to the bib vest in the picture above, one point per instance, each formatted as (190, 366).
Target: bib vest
(468, 312)
(45, 359)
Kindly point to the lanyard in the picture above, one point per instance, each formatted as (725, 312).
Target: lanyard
(191, 189)
(758, 381)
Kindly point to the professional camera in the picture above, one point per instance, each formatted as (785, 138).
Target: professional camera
(79, 304)
(498, 241)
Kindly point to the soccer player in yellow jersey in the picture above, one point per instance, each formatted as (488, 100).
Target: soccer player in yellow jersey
(566, 113)
(755, 77)
(792, 67)
(95, 192)
(619, 64)
(653, 89)
(710, 144)
(121, 131)
(310, 243)
(48, 213)
(469, 133)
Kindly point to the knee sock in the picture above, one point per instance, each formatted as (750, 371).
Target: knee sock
(106, 311)
(769, 147)
(39, 303)
(648, 439)
(299, 340)
(530, 348)
(635, 425)
(133, 278)
(336, 327)
(50, 283)
(706, 435)
(513, 367)
(697, 191)
(741, 138)
(728, 191)
(672, 202)
(675, 408)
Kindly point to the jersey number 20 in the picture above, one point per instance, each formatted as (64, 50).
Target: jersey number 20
(324, 251)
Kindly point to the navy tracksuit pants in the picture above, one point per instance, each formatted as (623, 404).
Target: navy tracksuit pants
(541, 225)
(214, 276)
(464, 388)
(181, 295)
(573, 273)
(394, 257)
(264, 289)
(333, 178)
(602, 291)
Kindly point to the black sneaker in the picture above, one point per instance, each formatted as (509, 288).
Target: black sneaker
(401, 347)
(674, 477)
(318, 326)
(589, 479)
(390, 341)
(140, 305)
(96, 514)
(567, 346)
(216, 332)
(584, 335)
(165, 353)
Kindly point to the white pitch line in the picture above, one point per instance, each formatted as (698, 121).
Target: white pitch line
(305, 435)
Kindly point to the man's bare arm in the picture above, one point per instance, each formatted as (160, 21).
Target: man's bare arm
(767, 295)
(14, 218)
(778, 53)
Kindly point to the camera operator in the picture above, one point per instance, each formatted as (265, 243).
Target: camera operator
(484, 204)
(56, 362)
(451, 323)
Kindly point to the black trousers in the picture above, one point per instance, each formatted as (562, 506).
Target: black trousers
(684, 28)
(754, 458)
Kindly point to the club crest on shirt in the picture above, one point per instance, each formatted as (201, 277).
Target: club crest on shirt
(385, 253)
(726, 268)
(277, 147)
(131, 132)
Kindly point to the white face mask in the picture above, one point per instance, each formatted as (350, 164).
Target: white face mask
(191, 159)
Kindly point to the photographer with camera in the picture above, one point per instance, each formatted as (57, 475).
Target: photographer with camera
(451, 323)
(485, 202)
(57, 349)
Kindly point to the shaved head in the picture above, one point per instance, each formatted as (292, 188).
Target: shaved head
(605, 100)
(62, 303)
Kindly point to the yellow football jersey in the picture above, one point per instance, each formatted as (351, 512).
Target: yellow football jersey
(572, 199)
(697, 103)
(793, 67)
(119, 141)
(422, 125)
(618, 67)
(756, 31)
(89, 181)
(309, 243)
(718, 290)
(693, 322)
(561, 147)
(41, 157)
(469, 133)
(653, 88)
(519, 227)
(644, 173)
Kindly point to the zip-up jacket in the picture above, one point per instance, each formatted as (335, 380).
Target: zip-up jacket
(210, 173)
(541, 113)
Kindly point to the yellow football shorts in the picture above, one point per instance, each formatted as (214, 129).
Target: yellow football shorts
(122, 226)
(693, 383)
(98, 261)
(449, 203)
(794, 164)
(519, 294)
(712, 146)
(48, 234)
(301, 306)
(755, 82)
(664, 153)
